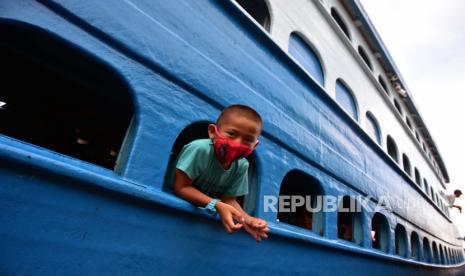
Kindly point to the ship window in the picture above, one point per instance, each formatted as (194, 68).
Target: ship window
(380, 232)
(306, 57)
(441, 255)
(397, 105)
(340, 22)
(364, 56)
(392, 148)
(77, 105)
(424, 146)
(435, 253)
(432, 192)
(401, 241)
(415, 246)
(417, 136)
(409, 124)
(417, 177)
(406, 163)
(383, 84)
(349, 220)
(199, 130)
(309, 215)
(426, 186)
(426, 251)
(346, 99)
(258, 10)
(373, 127)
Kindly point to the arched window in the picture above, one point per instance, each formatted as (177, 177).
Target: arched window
(417, 177)
(426, 186)
(383, 84)
(306, 56)
(363, 54)
(373, 127)
(409, 124)
(346, 99)
(298, 184)
(432, 192)
(406, 163)
(417, 136)
(349, 220)
(426, 251)
(441, 255)
(415, 246)
(340, 22)
(435, 254)
(401, 241)
(397, 105)
(380, 232)
(258, 10)
(78, 106)
(392, 148)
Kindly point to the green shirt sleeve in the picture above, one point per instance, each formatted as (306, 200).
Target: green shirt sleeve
(240, 182)
(193, 159)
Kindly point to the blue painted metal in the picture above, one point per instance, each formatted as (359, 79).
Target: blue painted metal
(184, 61)
(306, 56)
(346, 99)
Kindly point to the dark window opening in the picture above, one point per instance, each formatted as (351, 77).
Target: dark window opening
(441, 255)
(372, 127)
(340, 22)
(383, 84)
(258, 10)
(392, 148)
(435, 254)
(415, 246)
(199, 130)
(406, 162)
(397, 105)
(426, 251)
(409, 124)
(60, 98)
(417, 177)
(363, 54)
(401, 241)
(426, 186)
(297, 183)
(349, 221)
(346, 99)
(380, 232)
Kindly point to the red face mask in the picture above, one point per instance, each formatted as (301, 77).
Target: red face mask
(229, 150)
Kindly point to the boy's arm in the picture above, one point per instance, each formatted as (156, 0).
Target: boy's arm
(183, 188)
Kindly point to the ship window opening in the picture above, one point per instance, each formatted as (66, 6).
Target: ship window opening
(415, 246)
(406, 163)
(392, 148)
(259, 11)
(340, 22)
(307, 192)
(401, 241)
(426, 186)
(441, 255)
(417, 177)
(446, 255)
(78, 106)
(435, 254)
(426, 251)
(199, 130)
(417, 136)
(363, 54)
(373, 127)
(380, 232)
(432, 192)
(409, 124)
(306, 56)
(383, 84)
(423, 146)
(346, 99)
(349, 220)
(397, 105)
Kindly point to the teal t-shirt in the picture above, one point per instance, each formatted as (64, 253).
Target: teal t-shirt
(198, 161)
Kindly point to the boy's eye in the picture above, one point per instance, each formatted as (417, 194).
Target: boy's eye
(230, 133)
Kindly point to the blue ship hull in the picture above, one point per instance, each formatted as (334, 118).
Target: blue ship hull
(184, 61)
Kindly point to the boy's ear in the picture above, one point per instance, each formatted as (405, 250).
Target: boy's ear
(211, 131)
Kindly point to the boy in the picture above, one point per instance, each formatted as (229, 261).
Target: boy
(212, 172)
(451, 199)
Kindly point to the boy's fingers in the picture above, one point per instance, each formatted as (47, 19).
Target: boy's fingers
(226, 226)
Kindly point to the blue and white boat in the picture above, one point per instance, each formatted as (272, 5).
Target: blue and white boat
(98, 97)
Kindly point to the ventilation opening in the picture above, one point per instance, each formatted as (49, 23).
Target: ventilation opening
(258, 10)
(380, 232)
(426, 251)
(340, 22)
(199, 130)
(365, 57)
(407, 167)
(401, 241)
(349, 221)
(415, 246)
(392, 149)
(309, 214)
(59, 98)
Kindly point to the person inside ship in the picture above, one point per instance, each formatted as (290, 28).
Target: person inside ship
(213, 172)
(451, 199)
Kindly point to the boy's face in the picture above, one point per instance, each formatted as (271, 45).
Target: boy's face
(238, 128)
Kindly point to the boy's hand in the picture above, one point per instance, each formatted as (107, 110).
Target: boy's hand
(256, 228)
(228, 214)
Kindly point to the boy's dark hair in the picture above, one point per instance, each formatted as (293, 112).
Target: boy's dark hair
(457, 192)
(240, 110)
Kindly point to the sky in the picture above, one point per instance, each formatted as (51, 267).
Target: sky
(426, 39)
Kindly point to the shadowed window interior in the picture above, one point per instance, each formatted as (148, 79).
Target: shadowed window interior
(380, 232)
(258, 10)
(373, 127)
(436, 259)
(392, 148)
(59, 98)
(397, 105)
(415, 246)
(417, 177)
(306, 56)
(406, 162)
(427, 251)
(363, 54)
(340, 22)
(349, 220)
(383, 84)
(401, 241)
